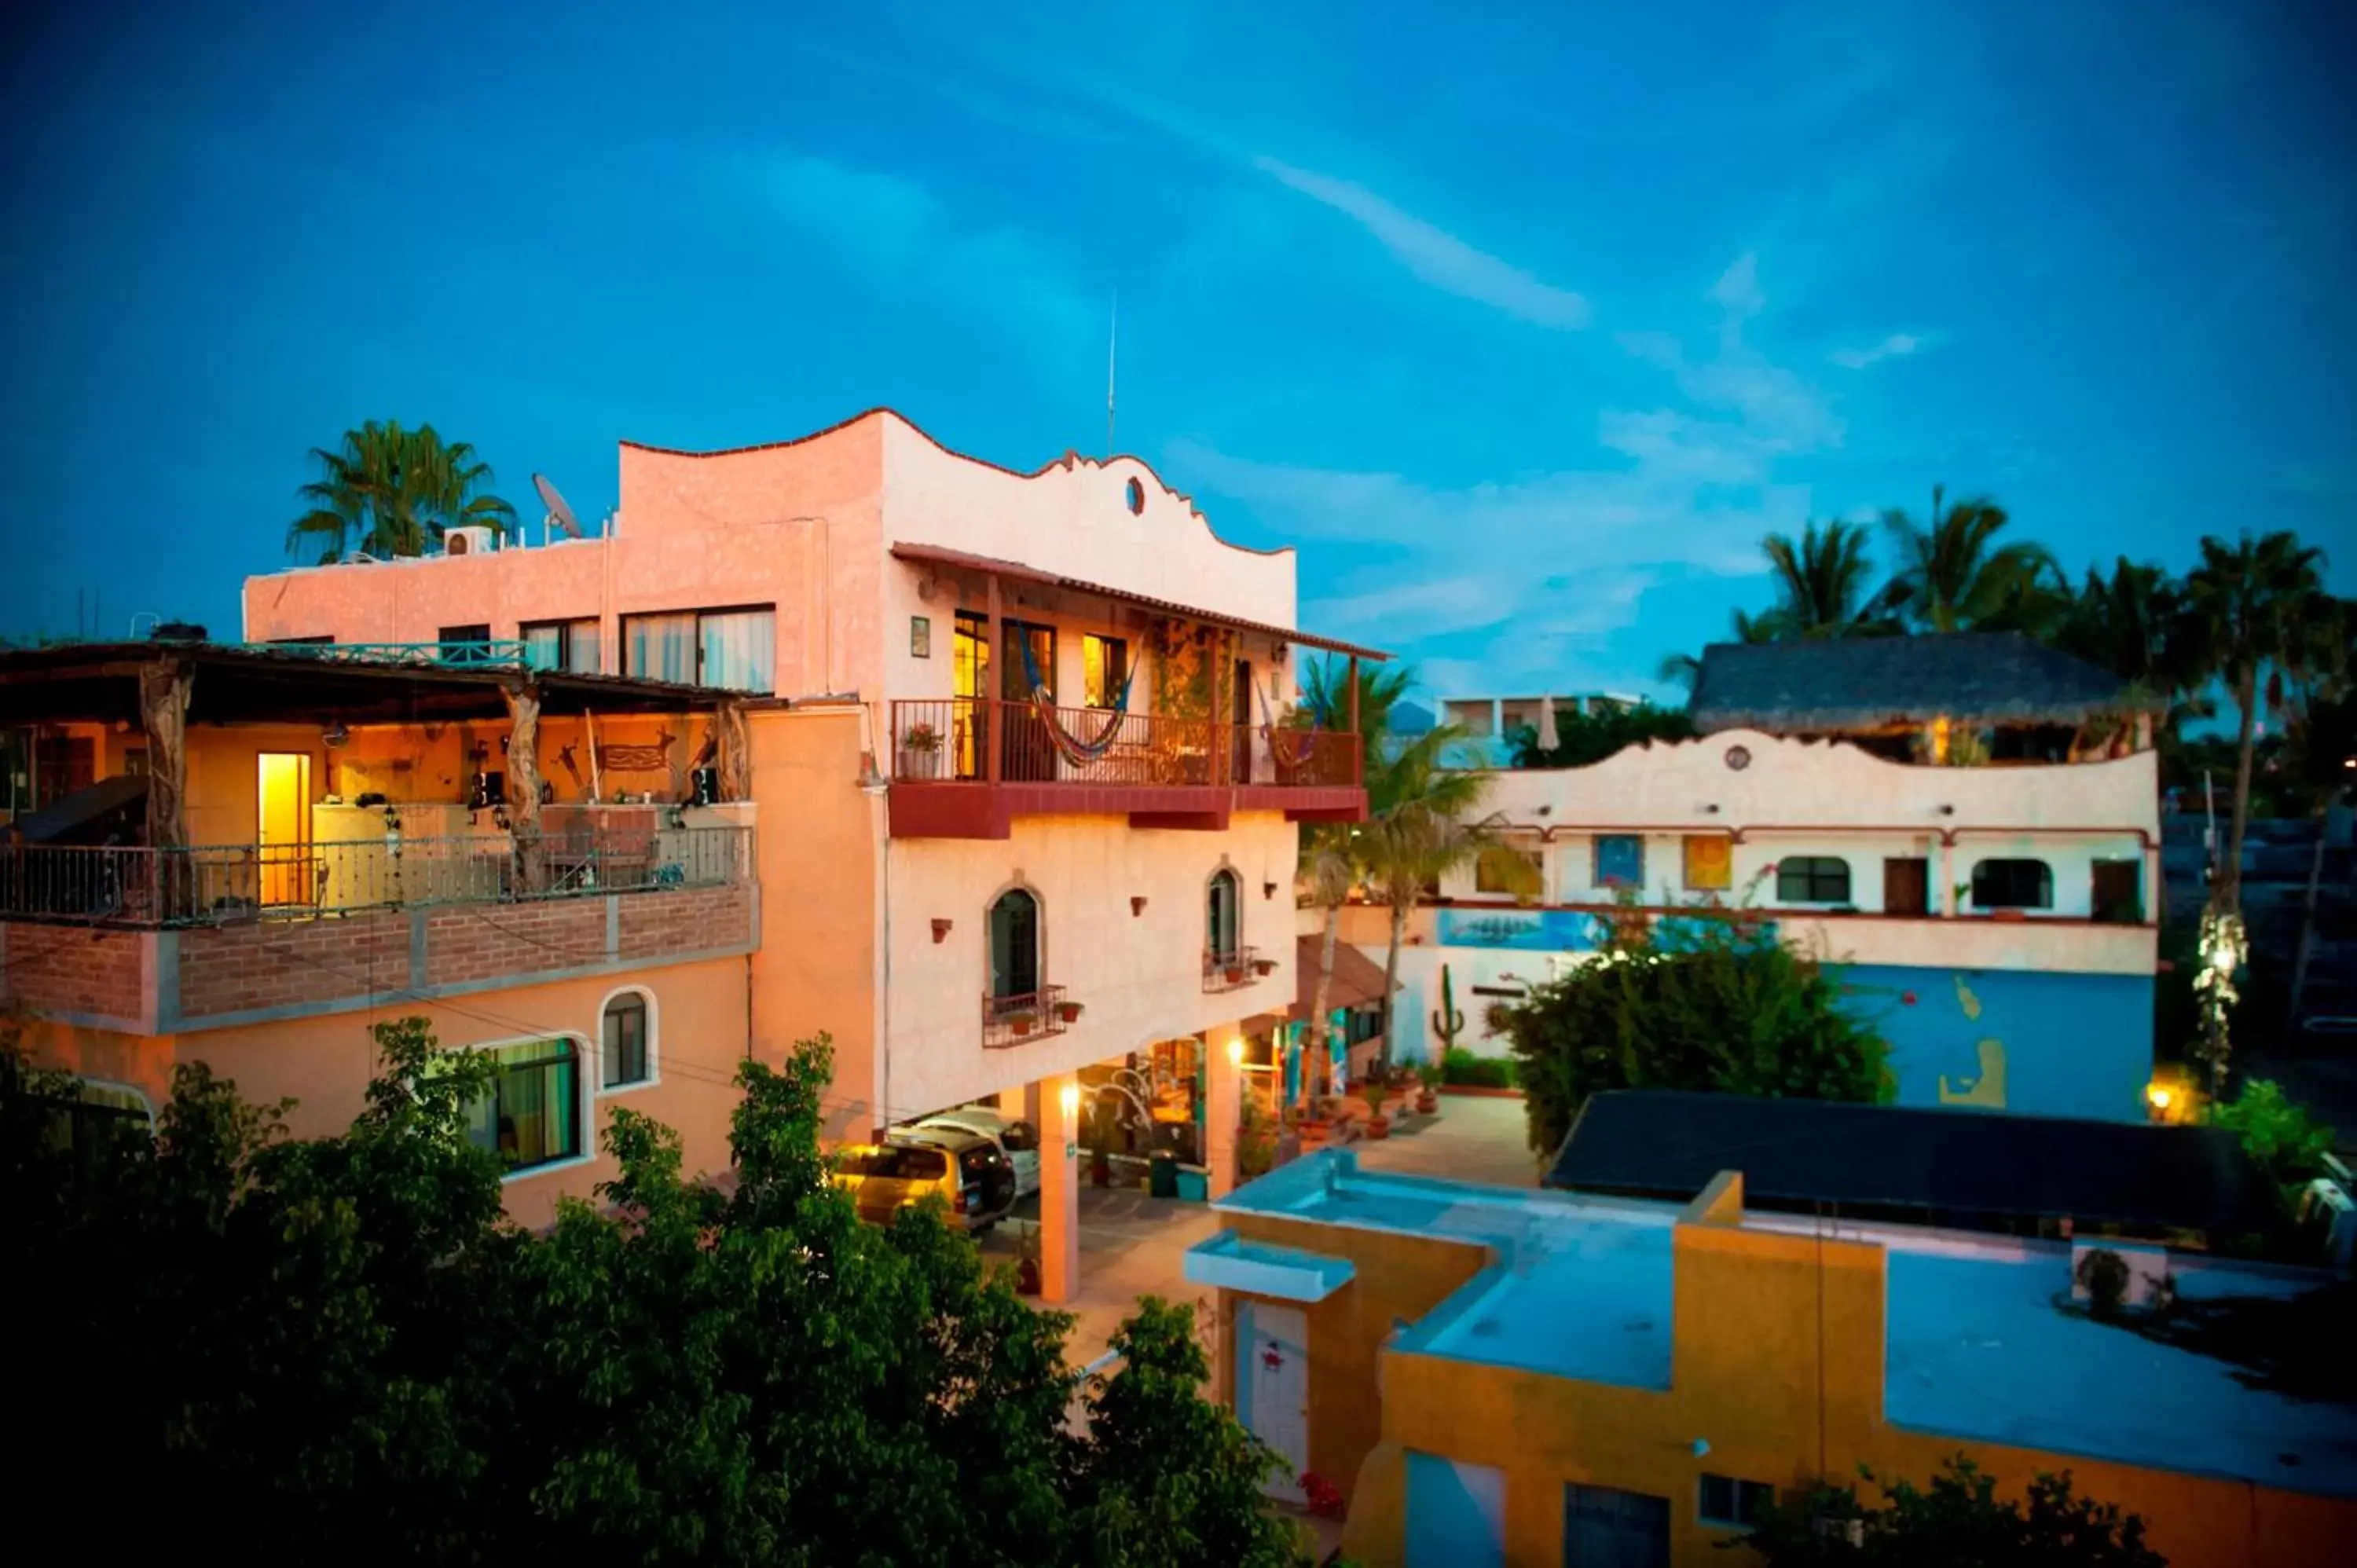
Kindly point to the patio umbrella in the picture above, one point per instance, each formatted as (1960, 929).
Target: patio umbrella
(1548, 739)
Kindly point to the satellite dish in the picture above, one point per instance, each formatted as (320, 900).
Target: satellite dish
(559, 514)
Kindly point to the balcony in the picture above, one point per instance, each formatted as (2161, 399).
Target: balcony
(146, 942)
(1026, 1016)
(216, 884)
(965, 767)
(1235, 969)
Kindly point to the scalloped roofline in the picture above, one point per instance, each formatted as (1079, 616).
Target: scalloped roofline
(1071, 461)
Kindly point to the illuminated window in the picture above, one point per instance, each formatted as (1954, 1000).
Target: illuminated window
(531, 1114)
(626, 1056)
(1105, 669)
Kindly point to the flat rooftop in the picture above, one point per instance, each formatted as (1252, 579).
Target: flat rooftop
(1976, 1345)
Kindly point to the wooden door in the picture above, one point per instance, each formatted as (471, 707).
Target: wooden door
(2117, 893)
(1030, 754)
(1241, 722)
(1906, 885)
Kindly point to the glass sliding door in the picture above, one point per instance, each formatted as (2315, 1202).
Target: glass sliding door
(738, 649)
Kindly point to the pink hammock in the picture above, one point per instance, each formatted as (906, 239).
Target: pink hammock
(1290, 747)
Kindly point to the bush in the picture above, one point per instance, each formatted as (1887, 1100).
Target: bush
(1460, 1066)
(2103, 1276)
(1700, 1003)
(1957, 1521)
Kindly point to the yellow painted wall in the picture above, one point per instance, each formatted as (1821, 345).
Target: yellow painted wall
(324, 1064)
(1749, 1349)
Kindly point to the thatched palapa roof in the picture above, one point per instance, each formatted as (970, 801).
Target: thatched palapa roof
(1851, 685)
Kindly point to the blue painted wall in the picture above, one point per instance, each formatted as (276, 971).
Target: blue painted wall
(2069, 1044)
(1455, 1513)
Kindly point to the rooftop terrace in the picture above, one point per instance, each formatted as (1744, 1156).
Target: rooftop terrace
(1976, 1344)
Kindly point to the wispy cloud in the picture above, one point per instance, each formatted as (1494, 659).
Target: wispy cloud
(900, 236)
(1898, 346)
(1436, 256)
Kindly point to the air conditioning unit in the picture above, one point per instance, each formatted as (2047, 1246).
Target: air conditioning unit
(471, 539)
(1852, 1532)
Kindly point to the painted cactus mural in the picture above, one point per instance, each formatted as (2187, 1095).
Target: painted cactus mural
(1447, 1023)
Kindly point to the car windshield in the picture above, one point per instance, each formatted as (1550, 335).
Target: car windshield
(895, 1160)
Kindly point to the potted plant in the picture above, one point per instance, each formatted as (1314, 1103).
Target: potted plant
(1264, 967)
(1070, 1012)
(1019, 1024)
(1373, 1092)
(1235, 972)
(920, 751)
(1430, 1072)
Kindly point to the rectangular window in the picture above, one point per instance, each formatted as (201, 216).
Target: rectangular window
(2117, 894)
(1620, 861)
(1813, 879)
(1734, 1503)
(465, 644)
(626, 1041)
(531, 1114)
(1489, 872)
(1615, 1528)
(1710, 863)
(571, 645)
(2013, 885)
(734, 649)
(1105, 669)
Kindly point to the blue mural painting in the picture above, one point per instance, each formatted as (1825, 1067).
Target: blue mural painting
(1532, 931)
(2051, 1045)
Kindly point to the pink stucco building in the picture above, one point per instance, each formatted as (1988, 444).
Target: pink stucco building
(1023, 745)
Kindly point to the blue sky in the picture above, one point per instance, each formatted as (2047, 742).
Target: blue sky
(1522, 326)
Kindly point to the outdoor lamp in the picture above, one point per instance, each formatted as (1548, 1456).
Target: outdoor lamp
(1069, 1097)
(1236, 1052)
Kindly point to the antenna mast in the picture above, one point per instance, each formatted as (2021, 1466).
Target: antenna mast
(1113, 343)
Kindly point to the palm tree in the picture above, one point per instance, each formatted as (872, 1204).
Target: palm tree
(1820, 583)
(1954, 576)
(1417, 833)
(392, 492)
(2251, 604)
(1685, 669)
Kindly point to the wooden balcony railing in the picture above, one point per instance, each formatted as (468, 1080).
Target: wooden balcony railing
(1234, 969)
(950, 739)
(1027, 1015)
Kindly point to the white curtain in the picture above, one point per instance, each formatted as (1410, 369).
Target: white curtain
(741, 649)
(660, 647)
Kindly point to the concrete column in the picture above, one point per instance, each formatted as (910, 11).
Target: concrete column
(1060, 1189)
(1944, 868)
(1223, 1108)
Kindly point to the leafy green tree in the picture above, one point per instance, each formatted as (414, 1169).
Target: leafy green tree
(1582, 739)
(337, 1350)
(1954, 576)
(392, 492)
(2277, 1131)
(2250, 607)
(1701, 1001)
(1958, 1521)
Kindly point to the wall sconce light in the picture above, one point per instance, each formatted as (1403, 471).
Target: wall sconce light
(940, 930)
(1947, 810)
(1268, 889)
(1712, 808)
(1236, 1052)
(1136, 905)
(1068, 1098)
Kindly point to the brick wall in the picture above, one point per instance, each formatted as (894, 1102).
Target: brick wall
(665, 925)
(271, 963)
(487, 941)
(73, 970)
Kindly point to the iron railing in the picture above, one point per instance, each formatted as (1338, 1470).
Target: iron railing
(211, 885)
(1233, 969)
(950, 739)
(460, 653)
(1027, 1015)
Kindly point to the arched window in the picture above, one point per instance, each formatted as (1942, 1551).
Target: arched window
(1015, 944)
(1222, 916)
(1813, 879)
(2013, 885)
(531, 1114)
(627, 1054)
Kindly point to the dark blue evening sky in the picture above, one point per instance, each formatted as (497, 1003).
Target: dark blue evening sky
(1523, 326)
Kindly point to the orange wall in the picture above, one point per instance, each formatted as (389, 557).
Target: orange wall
(324, 1064)
(1754, 1315)
(818, 966)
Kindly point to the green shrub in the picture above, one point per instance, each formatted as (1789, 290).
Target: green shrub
(1701, 1003)
(1460, 1066)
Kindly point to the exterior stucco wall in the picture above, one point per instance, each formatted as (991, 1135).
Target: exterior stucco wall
(700, 1013)
(1139, 975)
